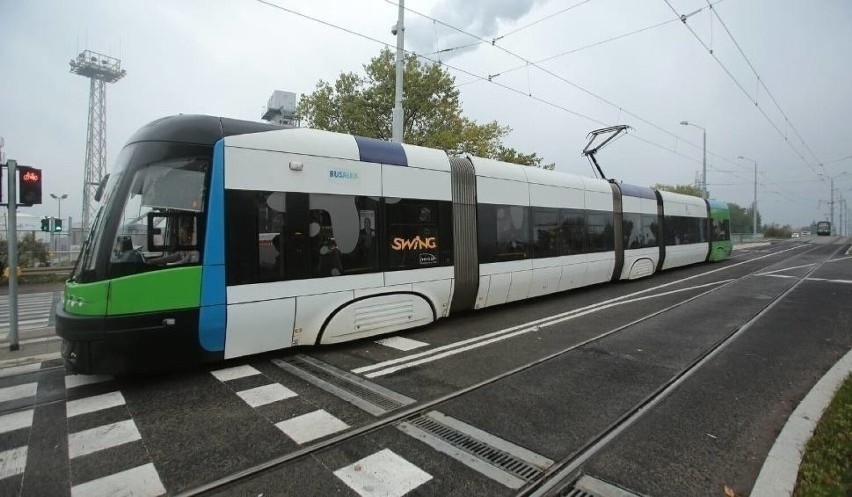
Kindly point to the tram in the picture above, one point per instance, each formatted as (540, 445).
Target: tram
(823, 228)
(218, 238)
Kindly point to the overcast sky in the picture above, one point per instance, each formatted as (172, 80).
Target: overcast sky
(225, 57)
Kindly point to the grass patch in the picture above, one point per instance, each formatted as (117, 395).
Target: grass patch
(826, 468)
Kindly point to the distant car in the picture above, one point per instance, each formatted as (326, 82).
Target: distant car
(806, 233)
(794, 235)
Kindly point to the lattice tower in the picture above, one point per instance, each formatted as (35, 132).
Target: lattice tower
(100, 69)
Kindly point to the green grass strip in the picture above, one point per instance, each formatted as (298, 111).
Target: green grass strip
(826, 468)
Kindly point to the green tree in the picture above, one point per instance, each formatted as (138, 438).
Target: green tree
(363, 105)
(742, 218)
(30, 251)
(684, 189)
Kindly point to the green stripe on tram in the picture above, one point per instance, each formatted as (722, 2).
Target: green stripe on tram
(178, 288)
(167, 289)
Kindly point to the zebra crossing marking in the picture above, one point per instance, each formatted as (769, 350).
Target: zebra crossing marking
(92, 404)
(141, 481)
(382, 474)
(234, 373)
(311, 426)
(22, 369)
(402, 343)
(13, 462)
(102, 437)
(17, 392)
(16, 421)
(78, 380)
(267, 394)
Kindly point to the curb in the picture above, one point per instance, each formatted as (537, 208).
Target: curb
(781, 468)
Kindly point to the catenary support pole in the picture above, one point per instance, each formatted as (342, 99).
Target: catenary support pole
(400, 63)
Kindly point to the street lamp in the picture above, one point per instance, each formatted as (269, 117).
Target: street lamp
(704, 192)
(754, 214)
(59, 199)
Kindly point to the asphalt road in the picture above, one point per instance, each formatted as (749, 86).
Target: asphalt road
(519, 389)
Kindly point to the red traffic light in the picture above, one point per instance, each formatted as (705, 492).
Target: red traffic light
(29, 185)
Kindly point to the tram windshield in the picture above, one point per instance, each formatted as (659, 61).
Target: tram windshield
(151, 214)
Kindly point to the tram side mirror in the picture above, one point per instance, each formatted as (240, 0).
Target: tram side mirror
(100, 191)
(172, 231)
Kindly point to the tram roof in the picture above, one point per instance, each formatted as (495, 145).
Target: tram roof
(197, 129)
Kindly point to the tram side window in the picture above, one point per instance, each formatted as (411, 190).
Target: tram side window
(721, 230)
(631, 229)
(503, 232)
(599, 232)
(546, 239)
(649, 230)
(682, 230)
(573, 224)
(342, 234)
(419, 233)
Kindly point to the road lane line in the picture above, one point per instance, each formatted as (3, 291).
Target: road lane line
(16, 370)
(401, 343)
(461, 343)
(786, 269)
(311, 426)
(234, 373)
(267, 394)
(78, 380)
(536, 327)
(13, 462)
(382, 474)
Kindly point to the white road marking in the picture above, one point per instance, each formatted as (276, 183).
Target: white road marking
(401, 343)
(841, 258)
(781, 467)
(33, 340)
(228, 374)
(845, 282)
(311, 426)
(16, 421)
(102, 437)
(25, 368)
(28, 359)
(453, 349)
(96, 403)
(786, 269)
(13, 462)
(78, 380)
(382, 474)
(266, 394)
(18, 392)
(141, 481)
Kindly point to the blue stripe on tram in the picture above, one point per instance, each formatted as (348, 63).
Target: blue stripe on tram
(213, 312)
(381, 152)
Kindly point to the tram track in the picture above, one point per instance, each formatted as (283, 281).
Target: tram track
(560, 477)
(557, 473)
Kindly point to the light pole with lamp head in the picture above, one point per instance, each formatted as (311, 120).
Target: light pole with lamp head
(704, 191)
(754, 213)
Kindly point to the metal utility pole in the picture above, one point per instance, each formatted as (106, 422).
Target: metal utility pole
(754, 214)
(705, 193)
(399, 31)
(100, 69)
(832, 203)
(12, 242)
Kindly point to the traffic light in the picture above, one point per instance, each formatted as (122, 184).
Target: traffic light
(45, 224)
(57, 225)
(29, 184)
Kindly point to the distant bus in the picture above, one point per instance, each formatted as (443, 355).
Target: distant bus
(823, 228)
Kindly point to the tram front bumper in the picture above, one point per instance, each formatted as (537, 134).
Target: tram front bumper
(137, 343)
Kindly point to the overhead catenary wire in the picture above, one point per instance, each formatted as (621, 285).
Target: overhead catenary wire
(740, 86)
(528, 62)
(762, 82)
(474, 75)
